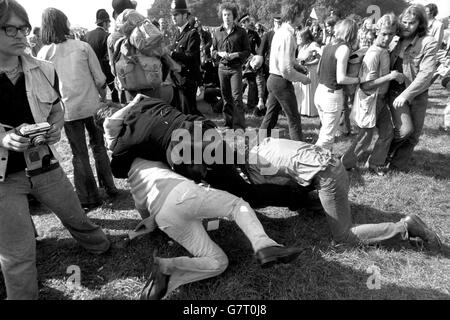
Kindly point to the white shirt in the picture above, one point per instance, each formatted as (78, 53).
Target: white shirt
(282, 54)
(80, 76)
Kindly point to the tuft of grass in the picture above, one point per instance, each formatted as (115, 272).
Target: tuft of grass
(322, 271)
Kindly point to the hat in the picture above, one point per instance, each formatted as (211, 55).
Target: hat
(179, 6)
(102, 16)
(243, 18)
(120, 5)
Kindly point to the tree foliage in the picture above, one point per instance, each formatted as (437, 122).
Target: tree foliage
(263, 10)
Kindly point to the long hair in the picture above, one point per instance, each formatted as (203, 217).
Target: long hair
(55, 27)
(230, 7)
(291, 9)
(306, 35)
(8, 8)
(417, 12)
(347, 31)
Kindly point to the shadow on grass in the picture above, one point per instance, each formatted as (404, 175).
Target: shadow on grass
(318, 273)
(434, 165)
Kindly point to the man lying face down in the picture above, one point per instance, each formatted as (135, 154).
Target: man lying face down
(145, 129)
(283, 161)
(177, 206)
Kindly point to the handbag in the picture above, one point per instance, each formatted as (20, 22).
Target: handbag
(364, 111)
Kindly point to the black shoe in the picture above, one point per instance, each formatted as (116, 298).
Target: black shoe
(156, 286)
(417, 228)
(270, 256)
(259, 112)
(112, 192)
(91, 206)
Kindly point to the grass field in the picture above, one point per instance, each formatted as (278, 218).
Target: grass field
(322, 271)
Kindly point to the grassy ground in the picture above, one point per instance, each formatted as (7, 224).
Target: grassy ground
(323, 271)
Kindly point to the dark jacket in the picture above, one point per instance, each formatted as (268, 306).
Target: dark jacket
(236, 41)
(254, 40)
(187, 52)
(98, 39)
(147, 133)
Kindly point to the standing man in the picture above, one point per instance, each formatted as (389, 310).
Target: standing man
(250, 74)
(283, 71)
(414, 55)
(232, 48)
(167, 34)
(435, 27)
(98, 38)
(187, 53)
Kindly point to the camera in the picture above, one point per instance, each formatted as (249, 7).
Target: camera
(35, 132)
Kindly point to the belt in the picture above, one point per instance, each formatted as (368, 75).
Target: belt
(36, 172)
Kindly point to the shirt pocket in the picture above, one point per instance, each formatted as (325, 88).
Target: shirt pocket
(46, 97)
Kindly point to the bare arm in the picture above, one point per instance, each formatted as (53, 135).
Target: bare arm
(342, 54)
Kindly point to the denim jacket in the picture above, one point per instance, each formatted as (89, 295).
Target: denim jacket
(419, 64)
(39, 80)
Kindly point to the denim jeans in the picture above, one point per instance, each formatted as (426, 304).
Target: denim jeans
(231, 87)
(364, 139)
(17, 237)
(282, 96)
(329, 106)
(333, 186)
(447, 116)
(181, 219)
(408, 124)
(85, 184)
(252, 93)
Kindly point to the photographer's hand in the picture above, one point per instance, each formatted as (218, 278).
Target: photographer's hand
(53, 135)
(12, 141)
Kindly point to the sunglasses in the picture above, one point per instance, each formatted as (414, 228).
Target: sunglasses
(11, 31)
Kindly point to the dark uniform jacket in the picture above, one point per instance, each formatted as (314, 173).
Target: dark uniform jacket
(187, 53)
(147, 133)
(98, 39)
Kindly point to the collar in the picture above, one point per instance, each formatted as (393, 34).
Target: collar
(183, 27)
(100, 27)
(28, 63)
(222, 27)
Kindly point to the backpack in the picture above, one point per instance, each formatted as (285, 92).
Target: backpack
(134, 70)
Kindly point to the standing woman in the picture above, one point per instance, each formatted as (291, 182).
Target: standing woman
(308, 56)
(28, 94)
(81, 83)
(329, 96)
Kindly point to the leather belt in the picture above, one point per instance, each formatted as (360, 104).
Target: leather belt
(36, 172)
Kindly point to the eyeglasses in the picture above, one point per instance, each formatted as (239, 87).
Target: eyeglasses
(11, 31)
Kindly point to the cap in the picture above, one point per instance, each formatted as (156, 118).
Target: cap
(179, 6)
(244, 18)
(120, 5)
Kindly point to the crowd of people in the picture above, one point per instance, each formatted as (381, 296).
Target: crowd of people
(52, 80)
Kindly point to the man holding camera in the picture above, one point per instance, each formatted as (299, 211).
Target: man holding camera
(29, 95)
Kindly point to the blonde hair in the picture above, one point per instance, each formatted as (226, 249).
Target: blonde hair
(388, 20)
(346, 30)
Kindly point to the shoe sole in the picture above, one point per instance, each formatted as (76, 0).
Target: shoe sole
(269, 262)
(419, 221)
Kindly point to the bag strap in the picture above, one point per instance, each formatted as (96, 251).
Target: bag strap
(117, 48)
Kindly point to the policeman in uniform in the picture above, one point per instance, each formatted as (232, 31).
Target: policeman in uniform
(186, 51)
